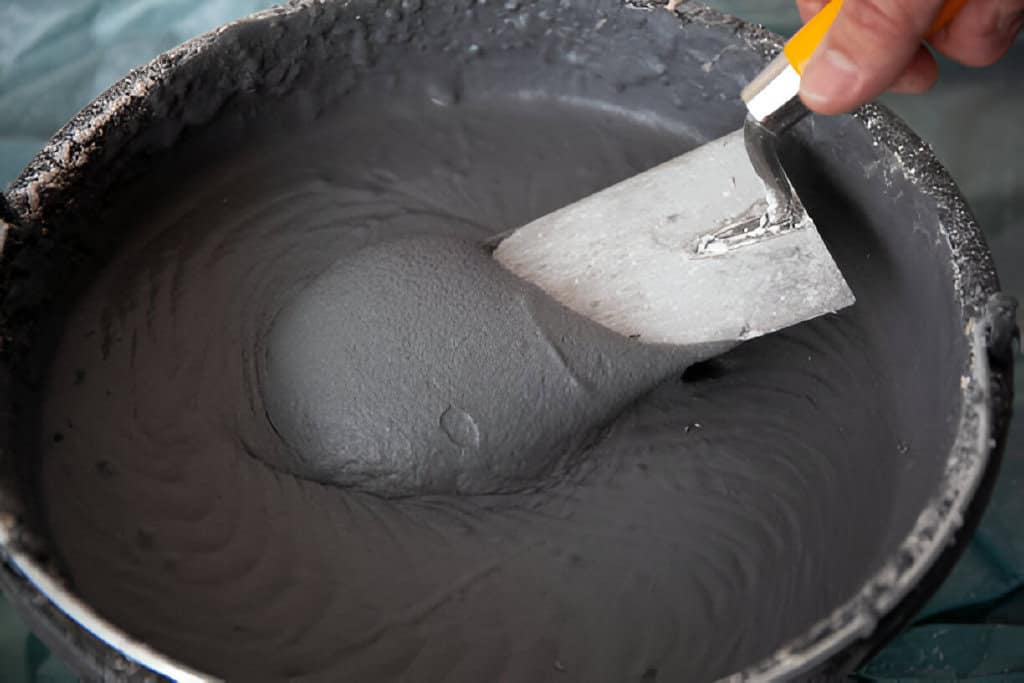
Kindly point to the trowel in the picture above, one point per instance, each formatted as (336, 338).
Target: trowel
(711, 246)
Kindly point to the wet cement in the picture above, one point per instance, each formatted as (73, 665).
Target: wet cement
(683, 540)
(228, 348)
(419, 365)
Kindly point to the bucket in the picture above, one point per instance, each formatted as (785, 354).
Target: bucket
(834, 471)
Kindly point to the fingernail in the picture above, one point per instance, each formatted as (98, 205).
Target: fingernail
(827, 76)
(1012, 23)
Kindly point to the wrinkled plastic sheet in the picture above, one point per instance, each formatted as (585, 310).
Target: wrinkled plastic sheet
(56, 55)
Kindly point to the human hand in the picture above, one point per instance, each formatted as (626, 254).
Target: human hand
(876, 45)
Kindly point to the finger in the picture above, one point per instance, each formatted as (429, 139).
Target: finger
(871, 43)
(982, 32)
(920, 76)
(808, 8)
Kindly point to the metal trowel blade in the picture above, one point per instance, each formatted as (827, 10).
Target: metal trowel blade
(684, 253)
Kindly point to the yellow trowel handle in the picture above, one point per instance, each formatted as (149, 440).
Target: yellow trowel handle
(802, 45)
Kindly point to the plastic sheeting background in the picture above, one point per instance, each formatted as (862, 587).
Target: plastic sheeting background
(56, 55)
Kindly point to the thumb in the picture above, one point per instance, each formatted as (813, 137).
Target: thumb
(868, 47)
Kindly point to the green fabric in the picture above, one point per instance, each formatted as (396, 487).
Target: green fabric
(23, 658)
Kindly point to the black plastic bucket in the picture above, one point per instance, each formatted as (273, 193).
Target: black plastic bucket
(936, 329)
